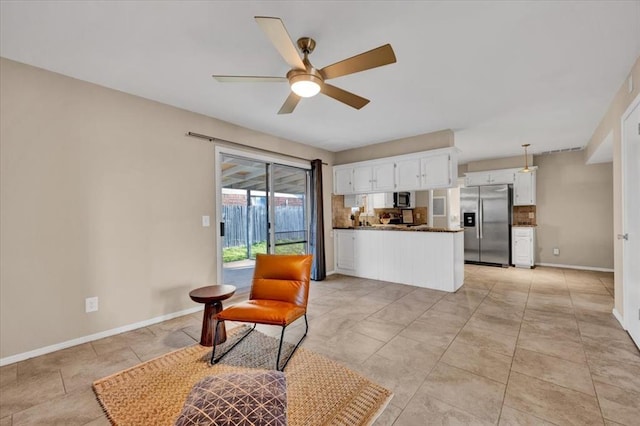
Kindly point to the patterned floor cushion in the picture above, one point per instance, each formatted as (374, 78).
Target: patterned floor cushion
(234, 399)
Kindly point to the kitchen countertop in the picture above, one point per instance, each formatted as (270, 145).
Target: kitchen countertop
(524, 226)
(412, 228)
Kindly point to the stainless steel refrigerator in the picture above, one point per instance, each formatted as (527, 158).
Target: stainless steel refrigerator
(485, 213)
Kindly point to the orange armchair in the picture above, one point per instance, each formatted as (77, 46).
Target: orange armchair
(279, 295)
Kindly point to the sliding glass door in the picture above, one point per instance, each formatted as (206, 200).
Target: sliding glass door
(263, 208)
(289, 209)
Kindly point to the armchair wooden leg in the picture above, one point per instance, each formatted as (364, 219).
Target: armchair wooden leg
(215, 334)
(306, 329)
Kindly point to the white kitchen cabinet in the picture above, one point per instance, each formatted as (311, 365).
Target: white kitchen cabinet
(362, 178)
(430, 171)
(353, 200)
(367, 246)
(423, 259)
(524, 189)
(477, 179)
(492, 177)
(381, 200)
(523, 246)
(409, 174)
(345, 250)
(437, 171)
(420, 171)
(384, 178)
(374, 177)
(342, 180)
(502, 176)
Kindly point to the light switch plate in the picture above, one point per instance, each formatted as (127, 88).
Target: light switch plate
(91, 304)
(206, 221)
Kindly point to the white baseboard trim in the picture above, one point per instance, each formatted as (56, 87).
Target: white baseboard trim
(331, 272)
(619, 317)
(96, 336)
(584, 268)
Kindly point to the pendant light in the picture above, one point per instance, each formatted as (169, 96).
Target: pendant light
(526, 160)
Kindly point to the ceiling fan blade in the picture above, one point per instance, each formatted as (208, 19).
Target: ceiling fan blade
(248, 79)
(279, 37)
(343, 96)
(377, 57)
(290, 104)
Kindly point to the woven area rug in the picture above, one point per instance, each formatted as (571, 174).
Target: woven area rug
(319, 390)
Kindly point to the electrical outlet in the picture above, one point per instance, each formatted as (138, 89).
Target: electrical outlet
(206, 222)
(91, 304)
(417, 215)
(532, 215)
(556, 251)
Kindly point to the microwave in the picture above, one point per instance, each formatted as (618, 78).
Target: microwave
(401, 199)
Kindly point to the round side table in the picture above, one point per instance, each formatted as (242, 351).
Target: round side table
(212, 297)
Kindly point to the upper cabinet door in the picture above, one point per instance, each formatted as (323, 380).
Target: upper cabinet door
(524, 189)
(477, 179)
(502, 176)
(362, 179)
(342, 181)
(408, 174)
(384, 178)
(436, 171)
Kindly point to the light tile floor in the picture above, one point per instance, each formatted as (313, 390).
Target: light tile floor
(511, 347)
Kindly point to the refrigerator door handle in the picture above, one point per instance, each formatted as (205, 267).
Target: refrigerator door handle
(481, 217)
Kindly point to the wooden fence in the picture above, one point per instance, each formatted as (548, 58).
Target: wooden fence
(243, 228)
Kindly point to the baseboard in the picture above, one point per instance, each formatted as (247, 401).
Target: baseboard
(619, 317)
(101, 335)
(584, 268)
(330, 272)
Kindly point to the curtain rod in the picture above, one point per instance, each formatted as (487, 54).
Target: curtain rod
(213, 139)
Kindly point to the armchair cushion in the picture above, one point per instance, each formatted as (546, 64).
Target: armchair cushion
(282, 277)
(270, 312)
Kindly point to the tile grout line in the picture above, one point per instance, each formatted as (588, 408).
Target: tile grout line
(440, 360)
(515, 348)
(595, 391)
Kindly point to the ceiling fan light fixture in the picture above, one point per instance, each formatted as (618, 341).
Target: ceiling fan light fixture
(305, 85)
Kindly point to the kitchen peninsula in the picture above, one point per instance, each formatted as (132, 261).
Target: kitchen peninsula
(418, 255)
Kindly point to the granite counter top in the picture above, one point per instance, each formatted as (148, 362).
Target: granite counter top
(410, 228)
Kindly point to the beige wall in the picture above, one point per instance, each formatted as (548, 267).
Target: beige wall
(425, 142)
(102, 195)
(575, 211)
(572, 197)
(611, 123)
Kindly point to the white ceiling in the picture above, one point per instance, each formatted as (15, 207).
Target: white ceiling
(499, 74)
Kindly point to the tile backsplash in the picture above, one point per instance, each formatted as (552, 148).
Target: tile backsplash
(524, 215)
(341, 215)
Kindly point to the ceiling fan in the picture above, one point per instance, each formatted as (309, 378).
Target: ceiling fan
(305, 80)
